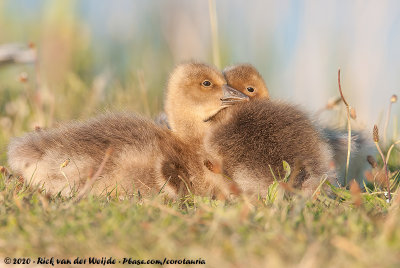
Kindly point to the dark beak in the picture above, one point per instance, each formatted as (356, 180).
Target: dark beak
(232, 96)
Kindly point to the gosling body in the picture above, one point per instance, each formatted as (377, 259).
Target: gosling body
(252, 139)
(246, 78)
(145, 157)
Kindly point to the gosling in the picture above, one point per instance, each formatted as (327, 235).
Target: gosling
(246, 78)
(250, 141)
(145, 158)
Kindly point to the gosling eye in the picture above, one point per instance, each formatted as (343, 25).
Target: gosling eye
(250, 89)
(206, 83)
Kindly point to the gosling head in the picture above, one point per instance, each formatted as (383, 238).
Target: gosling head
(193, 96)
(246, 79)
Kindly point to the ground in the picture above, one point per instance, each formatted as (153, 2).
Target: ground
(277, 231)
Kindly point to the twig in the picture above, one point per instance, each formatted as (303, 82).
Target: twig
(348, 129)
(90, 181)
(390, 150)
(63, 165)
(187, 186)
(214, 32)
(162, 188)
(144, 184)
(143, 91)
(375, 135)
(319, 187)
(393, 99)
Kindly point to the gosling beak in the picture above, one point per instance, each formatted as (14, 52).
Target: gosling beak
(232, 96)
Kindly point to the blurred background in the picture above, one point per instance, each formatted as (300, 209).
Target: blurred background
(66, 59)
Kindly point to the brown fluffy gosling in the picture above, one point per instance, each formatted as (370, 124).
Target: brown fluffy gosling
(246, 138)
(145, 157)
(193, 98)
(251, 140)
(246, 78)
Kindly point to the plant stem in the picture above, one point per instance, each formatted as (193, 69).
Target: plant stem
(348, 129)
(386, 170)
(214, 32)
(390, 150)
(348, 144)
(386, 124)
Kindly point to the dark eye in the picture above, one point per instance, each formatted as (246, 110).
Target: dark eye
(250, 89)
(206, 83)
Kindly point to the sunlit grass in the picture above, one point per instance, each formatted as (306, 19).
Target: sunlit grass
(277, 232)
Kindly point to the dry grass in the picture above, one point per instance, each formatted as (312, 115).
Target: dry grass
(359, 229)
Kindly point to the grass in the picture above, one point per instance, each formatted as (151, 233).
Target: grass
(283, 232)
